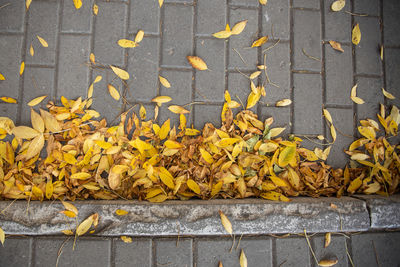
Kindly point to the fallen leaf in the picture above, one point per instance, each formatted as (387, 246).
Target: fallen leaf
(2, 236)
(42, 41)
(178, 109)
(142, 112)
(276, 131)
(120, 212)
(120, 73)
(2, 78)
(286, 156)
(161, 99)
(355, 98)
(28, 4)
(222, 34)
(263, 2)
(36, 101)
(327, 263)
(81, 176)
(338, 5)
(85, 225)
(160, 2)
(243, 259)
(126, 239)
(239, 27)
(139, 36)
(328, 116)
(77, 4)
(387, 94)
(22, 68)
(125, 43)
(225, 222)
(70, 207)
(260, 41)
(336, 45)
(381, 53)
(327, 239)
(164, 82)
(356, 35)
(254, 75)
(37, 121)
(8, 99)
(95, 9)
(31, 51)
(35, 147)
(193, 186)
(206, 156)
(283, 103)
(197, 62)
(92, 58)
(113, 92)
(25, 132)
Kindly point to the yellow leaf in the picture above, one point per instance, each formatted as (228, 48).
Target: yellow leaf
(381, 52)
(278, 181)
(239, 27)
(367, 131)
(158, 199)
(263, 2)
(260, 41)
(283, 103)
(35, 147)
(225, 222)
(359, 156)
(193, 186)
(353, 96)
(2, 236)
(120, 73)
(243, 259)
(167, 180)
(177, 109)
(338, 5)
(2, 78)
(68, 213)
(142, 112)
(224, 142)
(333, 133)
(272, 195)
(206, 156)
(42, 41)
(286, 156)
(103, 144)
(197, 62)
(25, 132)
(70, 207)
(222, 34)
(22, 68)
(327, 263)
(27, 4)
(276, 131)
(337, 46)
(164, 82)
(161, 99)
(92, 58)
(160, 2)
(172, 144)
(164, 130)
(126, 239)
(69, 158)
(356, 35)
(254, 75)
(327, 239)
(268, 147)
(113, 92)
(31, 51)
(121, 212)
(328, 116)
(36, 101)
(252, 99)
(81, 176)
(85, 225)
(191, 132)
(37, 121)
(125, 43)
(387, 94)
(139, 36)
(8, 99)
(98, 79)
(49, 189)
(95, 9)
(354, 185)
(67, 232)
(78, 4)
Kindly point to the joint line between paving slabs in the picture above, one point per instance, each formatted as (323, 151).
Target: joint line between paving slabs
(112, 251)
(383, 61)
(125, 86)
(291, 34)
(91, 49)
(153, 258)
(22, 78)
(323, 73)
(32, 245)
(54, 91)
(353, 57)
(226, 47)
(194, 72)
(259, 56)
(160, 50)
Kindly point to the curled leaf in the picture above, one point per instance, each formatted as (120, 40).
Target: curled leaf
(387, 94)
(337, 46)
(243, 259)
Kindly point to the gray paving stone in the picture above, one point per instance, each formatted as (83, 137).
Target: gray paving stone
(145, 15)
(370, 90)
(143, 69)
(391, 23)
(87, 252)
(42, 21)
(168, 252)
(307, 103)
(177, 41)
(246, 3)
(139, 252)
(278, 69)
(386, 247)
(73, 72)
(392, 68)
(211, 20)
(307, 38)
(281, 117)
(12, 16)
(210, 85)
(343, 122)
(37, 82)
(275, 15)
(370, 7)
(336, 249)
(338, 75)
(207, 114)
(239, 88)
(292, 251)
(337, 24)
(9, 110)
(243, 41)
(10, 54)
(16, 252)
(110, 27)
(306, 3)
(368, 50)
(74, 20)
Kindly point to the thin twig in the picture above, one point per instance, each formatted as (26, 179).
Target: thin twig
(309, 245)
(271, 46)
(234, 49)
(194, 103)
(61, 250)
(356, 14)
(239, 241)
(233, 244)
(2, 212)
(248, 77)
(5, 5)
(307, 55)
(240, 100)
(348, 254)
(376, 254)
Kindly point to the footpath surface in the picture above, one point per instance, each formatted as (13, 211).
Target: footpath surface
(301, 64)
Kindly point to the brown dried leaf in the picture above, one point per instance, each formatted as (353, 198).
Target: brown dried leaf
(336, 45)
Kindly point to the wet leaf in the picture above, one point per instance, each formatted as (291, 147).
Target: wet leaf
(121, 212)
(225, 222)
(22, 68)
(36, 101)
(2, 236)
(197, 62)
(178, 109)
(193, 186)
(8, 99)
(356, 35)
(243, 259)
(239, 27)
(126, 239)
(387, 94)
(77, 4)
(120, 73)
(42, 41)
(336, 45)
(164, 82)
(283, 103)
(338, 5)
(125, 43)
(113, 92)
(260, 41)
(327, 262)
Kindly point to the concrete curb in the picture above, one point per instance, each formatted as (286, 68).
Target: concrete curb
(196, 217)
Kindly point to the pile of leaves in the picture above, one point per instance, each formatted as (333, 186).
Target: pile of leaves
(68, 154)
